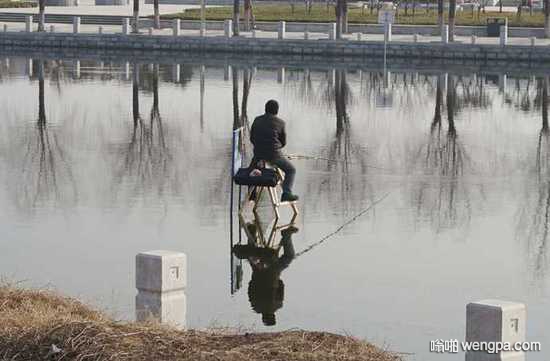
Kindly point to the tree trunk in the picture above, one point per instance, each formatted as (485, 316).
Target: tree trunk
(135, 95)
(452, 13)
(236, 17)
(451, 106)
(500, 6)
(438, 102)
(547, 18)
(345, 17)
(41, 105)
(247, 80)
(440, 20)
(155, 112)
(545, 105)
(157, 14)
(339, 9)
(135, 25)
(247, 14)
(41, 15)
(236, 119)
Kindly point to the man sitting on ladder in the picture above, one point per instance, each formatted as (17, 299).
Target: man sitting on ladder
(268, 137)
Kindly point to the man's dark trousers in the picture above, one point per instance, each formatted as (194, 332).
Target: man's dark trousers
(286, 166)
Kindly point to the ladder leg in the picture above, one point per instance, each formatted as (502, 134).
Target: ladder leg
(295, 211)
(275, 205)
(258, 197)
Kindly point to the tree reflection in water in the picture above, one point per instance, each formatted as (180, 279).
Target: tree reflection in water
(46, 172)
(442, 196)
(534, 216)
(345, 181)
(147, 160)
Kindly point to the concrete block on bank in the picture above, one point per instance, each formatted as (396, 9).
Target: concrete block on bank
(161, 271)
(161, 280)
(533, 41)
(495, 321)
(167, 308)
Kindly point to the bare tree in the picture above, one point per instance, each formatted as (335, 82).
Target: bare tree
(452, 14)
(157, 14)
(547, 18)
(341, 10)
(41, 15)
(236, 17)
(135, 25)
(248, 16)
(440, 19)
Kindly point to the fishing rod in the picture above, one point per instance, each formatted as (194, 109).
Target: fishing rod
(337, 230)
(307, 157)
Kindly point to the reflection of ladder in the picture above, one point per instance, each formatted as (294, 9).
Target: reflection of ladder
(255, 193)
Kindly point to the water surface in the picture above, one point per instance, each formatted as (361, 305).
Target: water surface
(100, 161)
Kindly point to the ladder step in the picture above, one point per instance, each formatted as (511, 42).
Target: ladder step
(286, 203)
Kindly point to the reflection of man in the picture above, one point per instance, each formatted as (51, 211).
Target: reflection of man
(266, 289)
(268, 136)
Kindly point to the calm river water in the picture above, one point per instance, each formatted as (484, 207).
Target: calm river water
(113, 162)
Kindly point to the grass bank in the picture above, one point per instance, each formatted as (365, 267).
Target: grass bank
(16, 4)
(32, 321)
(320, 13)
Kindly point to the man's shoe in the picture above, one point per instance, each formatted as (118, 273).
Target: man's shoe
(251, 228)
(289, 197)
(289, 231)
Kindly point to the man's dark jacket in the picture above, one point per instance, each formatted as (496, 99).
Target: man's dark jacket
(268, 136)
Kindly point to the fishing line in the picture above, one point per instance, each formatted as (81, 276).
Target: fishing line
(307, 157)
(348, 222)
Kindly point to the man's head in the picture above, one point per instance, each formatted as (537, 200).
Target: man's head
(272, 107)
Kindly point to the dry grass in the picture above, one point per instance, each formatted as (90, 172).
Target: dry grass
(32, 321)
(320, 13)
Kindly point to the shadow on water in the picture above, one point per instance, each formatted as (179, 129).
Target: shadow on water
(262, 250)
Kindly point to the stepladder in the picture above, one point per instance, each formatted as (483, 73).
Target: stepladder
(256, 192)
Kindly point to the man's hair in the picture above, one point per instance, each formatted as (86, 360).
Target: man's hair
(272, 107)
